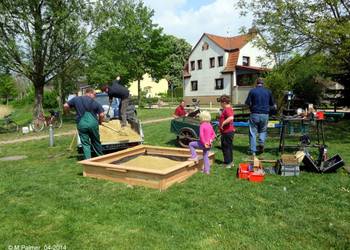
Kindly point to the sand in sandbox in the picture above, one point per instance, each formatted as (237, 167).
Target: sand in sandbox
(150, 162)
(108, 135)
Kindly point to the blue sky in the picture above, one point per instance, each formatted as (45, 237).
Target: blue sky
(189, 19)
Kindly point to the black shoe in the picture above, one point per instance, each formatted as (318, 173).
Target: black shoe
(260, 149)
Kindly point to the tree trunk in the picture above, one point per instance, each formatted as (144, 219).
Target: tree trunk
(60, 104)
(139, 92)
(39, 96)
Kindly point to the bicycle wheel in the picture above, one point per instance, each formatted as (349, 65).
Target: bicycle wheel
(38, 125)
(57, 122)
(11, 126)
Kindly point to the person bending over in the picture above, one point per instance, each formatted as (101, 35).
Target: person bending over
(117, 90)
(89, 115)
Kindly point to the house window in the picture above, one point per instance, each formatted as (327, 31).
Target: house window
(194, 85)
(199, 64)
(205, 46)
(212, 62)
(193, 66)
(219, 83)
(246, 61)
(221, 61)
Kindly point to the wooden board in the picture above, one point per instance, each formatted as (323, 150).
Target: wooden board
(103, 167)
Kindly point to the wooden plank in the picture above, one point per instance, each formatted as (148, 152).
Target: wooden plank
(139, 148)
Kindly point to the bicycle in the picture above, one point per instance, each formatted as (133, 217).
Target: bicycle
(8, 125)
(41, 121)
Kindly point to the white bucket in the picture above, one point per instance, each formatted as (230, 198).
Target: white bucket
(25, 130)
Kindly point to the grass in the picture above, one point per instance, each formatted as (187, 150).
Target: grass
(151, 114)
(45, 200)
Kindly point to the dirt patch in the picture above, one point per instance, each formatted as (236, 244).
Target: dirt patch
(14, 158)
(4, 110)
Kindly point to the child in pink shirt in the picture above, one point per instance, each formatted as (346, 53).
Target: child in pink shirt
(206, 137)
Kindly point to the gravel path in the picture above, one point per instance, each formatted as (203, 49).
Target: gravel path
(72, 132)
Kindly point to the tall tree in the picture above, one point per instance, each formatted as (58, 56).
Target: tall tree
(178, 51)
(136, 46)
(307, 27)
(39, 37)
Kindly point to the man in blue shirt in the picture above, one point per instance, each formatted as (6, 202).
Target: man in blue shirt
(260, 101)
(89, 115)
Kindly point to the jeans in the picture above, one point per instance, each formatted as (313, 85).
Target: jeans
(197, 144)
(227, 147)
(257, 124)
(122, 109)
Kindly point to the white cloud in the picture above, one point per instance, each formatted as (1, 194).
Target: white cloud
(220, 17)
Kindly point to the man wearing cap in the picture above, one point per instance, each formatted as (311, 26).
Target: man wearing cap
(260, 101)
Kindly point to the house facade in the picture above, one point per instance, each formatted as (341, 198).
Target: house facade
(223, 65)
(148, 85)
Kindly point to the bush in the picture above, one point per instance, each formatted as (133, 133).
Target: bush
(27, 100)
(178, 92)
(50, 100)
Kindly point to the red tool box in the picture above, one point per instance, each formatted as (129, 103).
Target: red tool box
(246, 171)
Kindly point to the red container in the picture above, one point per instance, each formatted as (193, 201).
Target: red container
(320, 115)
(243, 171)
(256, 177)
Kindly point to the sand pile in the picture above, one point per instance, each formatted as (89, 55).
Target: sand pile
(150, 162)
(125, 134)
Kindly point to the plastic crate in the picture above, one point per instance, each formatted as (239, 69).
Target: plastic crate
(256, 177)
(243, 171)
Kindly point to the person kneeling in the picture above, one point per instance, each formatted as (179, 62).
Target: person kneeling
(206, 137)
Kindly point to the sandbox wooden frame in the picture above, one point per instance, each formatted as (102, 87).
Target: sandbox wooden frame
(102, 168)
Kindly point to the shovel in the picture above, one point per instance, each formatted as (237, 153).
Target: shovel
(118, 131)
(108, 117)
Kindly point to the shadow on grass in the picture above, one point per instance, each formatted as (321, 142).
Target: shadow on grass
(172, 143)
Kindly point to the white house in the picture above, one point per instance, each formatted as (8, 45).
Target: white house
(223, 65)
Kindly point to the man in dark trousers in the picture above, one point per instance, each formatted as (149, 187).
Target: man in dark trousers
(260, 101)
(89, 115)
(118, 91)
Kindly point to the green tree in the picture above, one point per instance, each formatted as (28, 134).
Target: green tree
(39, 37)
(136, 46)
(300, 75)
(307, 27)
(178, 51)
(7, 87)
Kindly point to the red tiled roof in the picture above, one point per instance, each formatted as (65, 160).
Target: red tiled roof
(230, 43)
(231, 61)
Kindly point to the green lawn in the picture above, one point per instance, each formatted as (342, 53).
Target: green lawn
(151, 114)
(46, 200)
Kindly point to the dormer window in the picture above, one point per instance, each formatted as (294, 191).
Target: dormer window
(246, 61)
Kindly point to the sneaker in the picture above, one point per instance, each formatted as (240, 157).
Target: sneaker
(227, 166)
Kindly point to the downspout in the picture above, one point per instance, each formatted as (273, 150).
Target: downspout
(231, 88)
